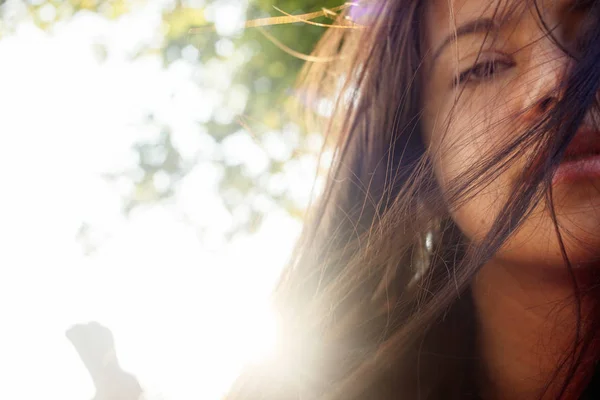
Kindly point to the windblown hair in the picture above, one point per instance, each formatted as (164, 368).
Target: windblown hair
(376, 302)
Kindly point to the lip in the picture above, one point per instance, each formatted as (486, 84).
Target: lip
(581, 160)
(580, 169)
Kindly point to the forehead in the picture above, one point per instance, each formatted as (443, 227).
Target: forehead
(443, 16)
(512, 22)
(443, 10)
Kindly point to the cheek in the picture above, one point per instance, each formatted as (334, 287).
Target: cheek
(477, 131)
(461, 149)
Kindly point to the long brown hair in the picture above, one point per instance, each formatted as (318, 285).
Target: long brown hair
(375, 303)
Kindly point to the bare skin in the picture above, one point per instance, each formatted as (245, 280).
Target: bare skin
(524, 296)
(95, 346)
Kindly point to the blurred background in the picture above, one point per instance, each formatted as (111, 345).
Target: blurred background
(153, 181)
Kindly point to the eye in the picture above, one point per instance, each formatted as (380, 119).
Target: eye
(483, 70)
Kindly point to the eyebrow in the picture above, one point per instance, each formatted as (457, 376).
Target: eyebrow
(481, 25)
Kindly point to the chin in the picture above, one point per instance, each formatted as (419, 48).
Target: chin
(536, 249)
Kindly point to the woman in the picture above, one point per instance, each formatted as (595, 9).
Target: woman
(455, 250)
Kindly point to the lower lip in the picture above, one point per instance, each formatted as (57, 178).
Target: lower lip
(576, 170)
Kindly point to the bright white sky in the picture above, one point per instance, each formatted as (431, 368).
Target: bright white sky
(185, 314)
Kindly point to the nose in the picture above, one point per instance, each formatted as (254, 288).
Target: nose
(546, 70)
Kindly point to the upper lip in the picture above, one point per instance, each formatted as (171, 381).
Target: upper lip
(585, 143)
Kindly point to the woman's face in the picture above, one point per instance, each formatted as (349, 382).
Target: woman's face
(513, 69)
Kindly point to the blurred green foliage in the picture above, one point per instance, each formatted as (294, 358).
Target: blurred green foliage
(253, 100)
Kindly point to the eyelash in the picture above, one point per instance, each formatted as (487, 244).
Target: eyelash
(483, 71)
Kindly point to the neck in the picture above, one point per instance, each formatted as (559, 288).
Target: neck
(527, 325)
